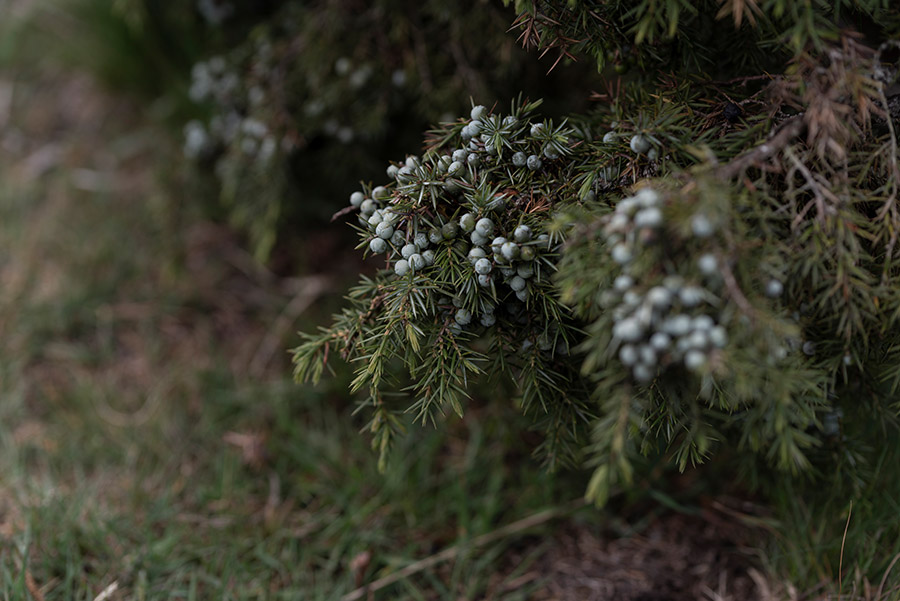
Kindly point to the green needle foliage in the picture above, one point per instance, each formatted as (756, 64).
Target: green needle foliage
(710, 258)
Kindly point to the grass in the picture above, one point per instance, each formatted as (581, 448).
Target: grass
(139, 451)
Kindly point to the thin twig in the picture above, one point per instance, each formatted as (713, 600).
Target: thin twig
(32, 587)
(844, 540)
(789, 130)
(451, 552)
(885, 577)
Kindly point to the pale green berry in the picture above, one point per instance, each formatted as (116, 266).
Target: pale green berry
(488, 319)
(609, 137)
(467, 222)
(483, 266)
(653, 154)
(392, 171)
(478, 112)
(473, 159)
(534, 162)
(628, 354)
(375, 219)
(660, 341)
(377, 245)
(708, 264)
(550, 153)
(416, 261)
(703, 322)
(536, 129)
(525, 271)
(434, 235)
(477, 239)
(401, 267)
(659, 297)
(412, 161)
(398, 238)
(621, 254)
(428, 255)
(368, 206)
(517, 283)
(421, 240)
(449, 230)
(527, 253)
(459, 155)
(702, 226)
(648, 355)
(475, 254)
(718, 337)
(484, 280)
(694, 359)
(380, 193)
(519, 159)
(642, 373)
(677, 325)
(774, 288)
(639, 144)
(510, 250)
(522, 295)
(408, 250)
(384, 230)
(522, 233)
(357, 198)
(484, 226)
(455, 168)
(691, 296)
(463, 317)
(650, 217)
(507, 272)
(628, 330)
(623, 282)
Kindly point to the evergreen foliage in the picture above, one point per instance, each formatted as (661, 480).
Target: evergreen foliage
(714, 245)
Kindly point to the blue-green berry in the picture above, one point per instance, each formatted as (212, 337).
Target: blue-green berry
(473, 160)
(434, 235)
(484, 280)
(517, 283)
(408, 250)
(694, 359)
(357, 198)
(428, 255)
(534, 162)
(421, 240)
(483, 266)
(393, 171)
(377, 245)
(459, 155)
(488, 319)
(478, 112)
(537, 129)
(467, 222)
(609, 137)
(463, 317)
(398, 238)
